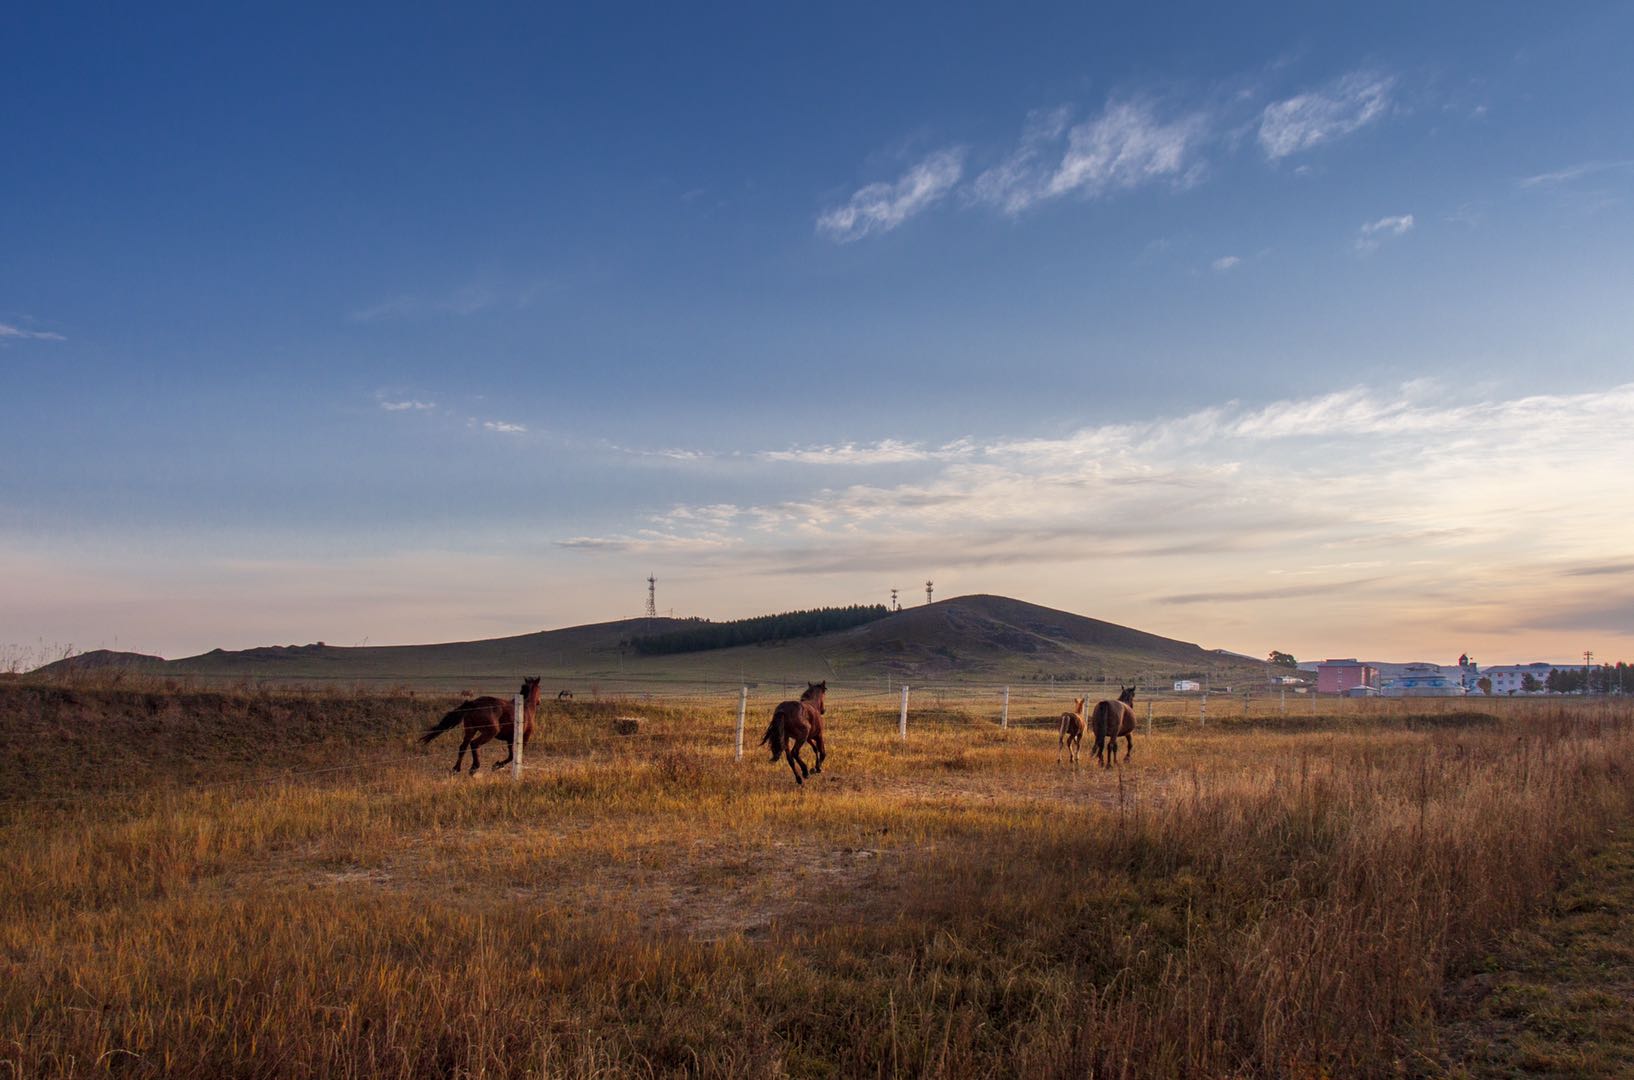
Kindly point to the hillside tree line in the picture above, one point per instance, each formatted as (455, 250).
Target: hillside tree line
(758, 630)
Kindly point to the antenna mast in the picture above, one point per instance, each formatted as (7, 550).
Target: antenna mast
(652, 597)
(894, 605)
(928, 585)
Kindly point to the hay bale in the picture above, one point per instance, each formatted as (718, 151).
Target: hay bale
(627, 725)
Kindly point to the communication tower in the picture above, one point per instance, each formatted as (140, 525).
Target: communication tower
(652, 597)
(927, 591)
(894, 605)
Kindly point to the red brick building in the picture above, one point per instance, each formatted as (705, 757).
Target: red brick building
(1339, 676)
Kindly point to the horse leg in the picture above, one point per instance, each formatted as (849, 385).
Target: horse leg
(817, 749)
(789, 756)
(1128, 745)
(798, 760)
(459, 757)
(507, 759)
(478, 739)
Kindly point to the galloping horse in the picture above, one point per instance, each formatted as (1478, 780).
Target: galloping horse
(795, 723)
(1110, 720)
(1072, 730)
(490, 718)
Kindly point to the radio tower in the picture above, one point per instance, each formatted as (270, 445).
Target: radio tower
(894, 605)
(927, 591)
(652, 597)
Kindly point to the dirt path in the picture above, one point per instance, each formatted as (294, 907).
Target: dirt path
(1557, 999)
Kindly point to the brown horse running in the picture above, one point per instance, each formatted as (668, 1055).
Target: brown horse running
(795, 723)
(1110, 720)
(488, 718)
(1072, 730)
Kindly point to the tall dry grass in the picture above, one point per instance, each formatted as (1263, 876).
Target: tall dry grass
(1238, 902)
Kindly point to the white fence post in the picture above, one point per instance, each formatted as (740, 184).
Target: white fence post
(902, 720)
(1148, 718)
(743, 710)
(1004, 717)
(519, 725)
(1202, 710)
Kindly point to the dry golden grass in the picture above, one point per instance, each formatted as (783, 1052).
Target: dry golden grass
(1268, 896)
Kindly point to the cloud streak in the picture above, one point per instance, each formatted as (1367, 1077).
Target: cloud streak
(1306, 120)
(1133, 142)
(1369, 236)
(881, 207)
(1573, 172)
(1126, 146)
(8, 332)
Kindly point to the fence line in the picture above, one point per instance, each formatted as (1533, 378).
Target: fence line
(996, 701)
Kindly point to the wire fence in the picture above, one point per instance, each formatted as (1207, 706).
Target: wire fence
(732, 715)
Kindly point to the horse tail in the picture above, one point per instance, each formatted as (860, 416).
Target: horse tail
(774, 734)
(444, 724)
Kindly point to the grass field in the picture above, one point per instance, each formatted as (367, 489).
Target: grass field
(187, 894)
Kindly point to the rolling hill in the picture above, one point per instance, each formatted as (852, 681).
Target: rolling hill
(965, 639)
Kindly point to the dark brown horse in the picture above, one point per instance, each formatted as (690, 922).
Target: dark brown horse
(488, 718)
(1110, 720)
(1072, 730)
(795, 723)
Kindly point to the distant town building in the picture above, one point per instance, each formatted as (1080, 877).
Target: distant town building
(1187, 686)
(1342, 676)
(1419, 680)
(1511, 678)
(1469, 673)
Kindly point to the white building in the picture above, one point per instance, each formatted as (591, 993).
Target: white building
(1187, 686)
(1511, 678)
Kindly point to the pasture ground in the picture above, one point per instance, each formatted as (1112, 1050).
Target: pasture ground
(260, 884)
(1556, 998)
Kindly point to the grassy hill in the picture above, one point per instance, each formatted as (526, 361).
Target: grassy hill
(965, 639)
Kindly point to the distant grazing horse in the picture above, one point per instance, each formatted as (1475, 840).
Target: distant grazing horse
(795, 723)
(564, 695)
(1110, 720)
(1072, 730)
(488, 718)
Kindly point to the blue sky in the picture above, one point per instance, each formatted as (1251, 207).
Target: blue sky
(1259, 329)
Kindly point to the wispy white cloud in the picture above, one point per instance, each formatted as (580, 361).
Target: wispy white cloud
(884, 452)
(1229, 506)
(1126, 146)
(504, 427)
(1369, 236)
(1343, 106)
(408, 406)
(880, 207)
(18, 333)
(1226, 262)
(1573, 172)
